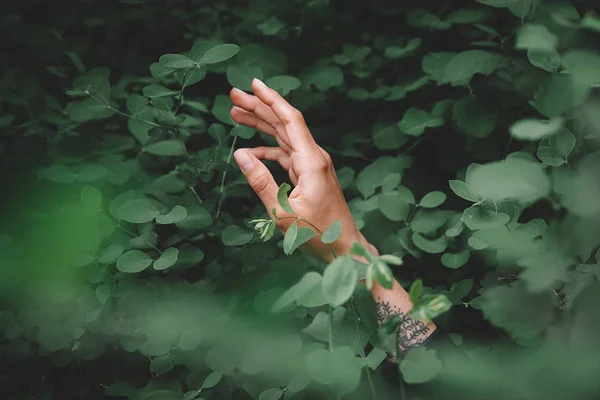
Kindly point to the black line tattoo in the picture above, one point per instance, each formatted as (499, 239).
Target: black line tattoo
(411, 332)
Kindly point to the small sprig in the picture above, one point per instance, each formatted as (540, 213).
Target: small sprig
(266, 228)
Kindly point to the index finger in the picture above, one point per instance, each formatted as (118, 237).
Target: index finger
(292, 119)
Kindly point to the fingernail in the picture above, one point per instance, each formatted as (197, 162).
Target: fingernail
(261, 83)
(243, 159)
(238, 90)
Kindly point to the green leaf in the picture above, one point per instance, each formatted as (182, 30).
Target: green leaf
(339, 280)
(308, 282)
(137, 211)
(284, 84)
(298, 383)
(219, 53)
(432, 199)
(416, 288)
(375, 358)
(381, 273)
(434, 64)
(533, 129)
(161, 365)
(295, 237)
(391, 259)
(428, 221)
(534, 36)
(563, 142)
(271, 394)
(133, 261)
(546, 59)
(480, 217)
(233, 235)
(512, 178)
(393, 205)
(156, 91)
(91, 196)
(160, 71)
(175, 61)
(388, 137)
(110, 253)
(415, 121)
(462, 190)
(396, 52)
(241, 76)
(455, 260)
(332, 233)
(584, 66)
(431, 246)
(167, 259)
(167, 148)
(92, 173)
(212, 379)
(522, 314)
(177, 214)
(102, 293)
(420, 365)
(463, 66)
(282, 198)
(550, 156)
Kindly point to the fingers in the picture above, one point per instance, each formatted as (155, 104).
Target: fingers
(244, 117)
(292, 119)
(258, 176)
(276, 154)
(254, 105)
(272, 154)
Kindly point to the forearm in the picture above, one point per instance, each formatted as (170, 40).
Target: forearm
(396, 301)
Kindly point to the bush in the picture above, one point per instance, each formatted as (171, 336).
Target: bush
(465, 138)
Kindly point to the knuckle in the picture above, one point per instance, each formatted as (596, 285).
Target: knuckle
(296, 116)
(260, 183)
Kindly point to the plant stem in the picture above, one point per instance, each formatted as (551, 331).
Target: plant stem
(183, 83)
(195, 194)
(223, 177)
(330, 328)
(102, 101)
(135, 236)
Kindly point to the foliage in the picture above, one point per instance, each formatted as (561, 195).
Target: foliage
(136, 262)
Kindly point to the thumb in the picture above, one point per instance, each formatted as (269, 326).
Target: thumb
(258, 176)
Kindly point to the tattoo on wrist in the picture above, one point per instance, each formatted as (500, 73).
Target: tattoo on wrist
(411, 332)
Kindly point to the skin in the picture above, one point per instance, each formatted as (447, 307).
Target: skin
(316, 196)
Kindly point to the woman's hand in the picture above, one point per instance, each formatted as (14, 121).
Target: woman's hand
(317, 196)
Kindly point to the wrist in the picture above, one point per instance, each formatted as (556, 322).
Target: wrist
(344, 246)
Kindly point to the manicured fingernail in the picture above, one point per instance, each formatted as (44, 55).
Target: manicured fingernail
(261, 83)
(238, 90)
(243, 159)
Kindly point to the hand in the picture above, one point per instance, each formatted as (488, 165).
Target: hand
(317, 196)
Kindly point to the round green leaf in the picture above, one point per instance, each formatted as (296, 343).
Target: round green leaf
(212, 379)
(420, 365)
(480, 217)
(137, 211)
(219, 53)
(455, 260)
(415, 121)
(546, 59)
(133, 261)
(332, 233)
(284, 84)
(177, 214)
(393, 205)
(167, 259)
(102, 293)
(516, 178)
(533, 129)
(175, 61)
(241, 76)
(271, 394)
(92, 173)
(339, 280)
(167, 148)
(432, 246)
(233, 235)
(155, 91)
(432, 199)
(110, 253)
(91, 196)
